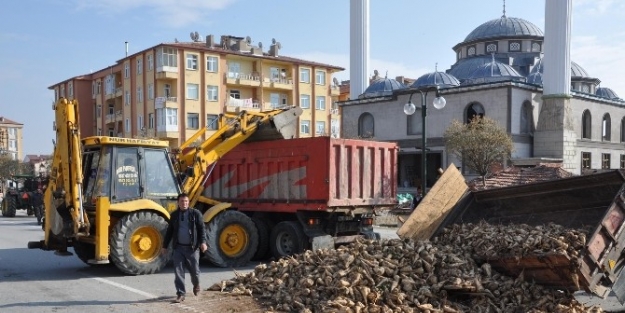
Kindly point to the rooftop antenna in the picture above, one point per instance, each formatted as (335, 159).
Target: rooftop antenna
(504, 9)
(126, 42)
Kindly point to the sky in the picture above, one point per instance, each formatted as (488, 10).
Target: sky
(44, 42)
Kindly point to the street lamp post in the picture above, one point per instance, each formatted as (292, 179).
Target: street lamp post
(409, 108)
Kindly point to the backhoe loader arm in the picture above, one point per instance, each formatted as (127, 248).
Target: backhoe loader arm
(196, 160)
(66, 175)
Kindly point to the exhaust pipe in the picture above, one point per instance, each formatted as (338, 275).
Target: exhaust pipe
(36, 244)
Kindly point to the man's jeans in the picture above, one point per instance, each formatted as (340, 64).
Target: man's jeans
(189, 258)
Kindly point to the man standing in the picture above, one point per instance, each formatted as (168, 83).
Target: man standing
(37, 203)
(186, 231)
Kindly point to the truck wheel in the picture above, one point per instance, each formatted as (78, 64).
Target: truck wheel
(11, 206)
(232, 239)
(263, 238)
(288, 238)
(136, 242)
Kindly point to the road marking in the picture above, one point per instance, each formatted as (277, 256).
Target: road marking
(118, 285)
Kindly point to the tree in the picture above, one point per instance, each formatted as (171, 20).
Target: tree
(480, 144)
(8, 167)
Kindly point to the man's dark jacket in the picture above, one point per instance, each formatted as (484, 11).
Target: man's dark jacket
(196, 225)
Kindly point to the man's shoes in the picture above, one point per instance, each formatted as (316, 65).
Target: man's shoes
(196, 290)
(179, 299)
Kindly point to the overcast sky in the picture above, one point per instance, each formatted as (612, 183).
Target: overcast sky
(44, 42)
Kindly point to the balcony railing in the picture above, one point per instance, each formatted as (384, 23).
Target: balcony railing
(334, 111)
(162, 102)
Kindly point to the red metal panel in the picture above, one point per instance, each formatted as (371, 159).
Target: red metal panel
(306, 174)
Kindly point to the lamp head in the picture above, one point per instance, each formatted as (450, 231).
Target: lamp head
(409, 108)
(439, 102)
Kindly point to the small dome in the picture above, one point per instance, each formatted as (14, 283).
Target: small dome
(440, 79)
(576, 69)
(494, 69)
(535, 78)
(605, 92)
(382, 87)
(464, 67)
(505, 27)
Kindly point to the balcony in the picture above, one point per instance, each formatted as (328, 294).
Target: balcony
(110, 118)
(166, 102)
(237, 105)
(166, 72)
(242, 79)
(167, 132)
(278, 83)
(119, 116)
(119, 92)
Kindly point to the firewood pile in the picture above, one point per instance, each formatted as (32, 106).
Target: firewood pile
(443, 275)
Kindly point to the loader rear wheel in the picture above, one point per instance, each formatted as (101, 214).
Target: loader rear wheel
(288, 238)
(9, 206)
(232, 239)
(263, 238)
(136, 242)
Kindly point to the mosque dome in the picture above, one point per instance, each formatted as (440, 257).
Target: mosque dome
(494, 71)
(504, 27)
(464, 67)
(382, 87)
(440, 79)
(605, 92)
(576, 69)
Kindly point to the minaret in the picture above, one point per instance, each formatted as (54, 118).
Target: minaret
(555, 136)
(358, 47)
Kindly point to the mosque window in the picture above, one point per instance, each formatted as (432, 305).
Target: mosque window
(585, 88)
(586, 125)
(474, 109)
(471, 50)
(623, 129)
(606, 128)
(536, 47)
(491, 47)
(366, 126)
(459, 55)
(526, 118)
(515, 46)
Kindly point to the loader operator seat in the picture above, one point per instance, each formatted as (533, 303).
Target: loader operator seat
(127, 180)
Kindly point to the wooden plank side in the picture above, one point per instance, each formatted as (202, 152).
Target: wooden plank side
(433, 209)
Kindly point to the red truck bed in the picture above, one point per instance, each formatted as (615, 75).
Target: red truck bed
(306, 174)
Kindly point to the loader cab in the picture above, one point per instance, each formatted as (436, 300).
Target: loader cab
(124, 169)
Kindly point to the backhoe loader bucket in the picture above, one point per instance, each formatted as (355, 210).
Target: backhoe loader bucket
(283, 126)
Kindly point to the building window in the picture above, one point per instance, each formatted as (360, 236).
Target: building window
(62, 91)
(304, 127)
(111, 132)
(99, 111)
(585, 88)
(623, 129)
(491, 47)
(605, 161)
(140, 94)
(99, 133)
(320, 128)
(193, 91)
(304, 101)
(459, 56)
(471, 51)
(127, 70)
(320, 77)
(212, 121)
(235, 94)
(515, 46)
(168, 57)
(127, 125)
(12, 144)
(536, 46)
(320, 103)
(475, 109)
(111, 108)
(151, 120)
(622, 165)
(70, 89)
(366, 126)
(191, 62)
(126, 97)
(150, 91)
(526, 118)
(98, 87)
(212, 64)
(304, 75)
(586, 161)
(140, 125)
(150, 62)
(606, 128)
(212, 93)
(193, 121)
(586, 123)
(335, 128)
(139, 66)
(234, 69)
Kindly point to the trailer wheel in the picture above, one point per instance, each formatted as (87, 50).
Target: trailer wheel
(136, 242)
(232, 239)
(9, 206)
(263, 238)
(288, 238)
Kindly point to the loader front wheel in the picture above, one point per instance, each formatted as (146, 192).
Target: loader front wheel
(136, 242)
(232, 239)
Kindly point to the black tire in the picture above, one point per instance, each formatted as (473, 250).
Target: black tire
(288, 238)
(29, 211)
(241, 249)
(84, 251)
(263, 238)
(11, 206)
(4, 206)
(130, 251)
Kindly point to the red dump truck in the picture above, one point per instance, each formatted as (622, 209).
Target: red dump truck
(308, 192)
(594, 201)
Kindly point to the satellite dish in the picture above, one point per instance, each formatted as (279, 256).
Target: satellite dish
(336, 81)
(192, 35)
(279, 45)
(197, 36)
(260, 44)
(273, 41)
(248, 39)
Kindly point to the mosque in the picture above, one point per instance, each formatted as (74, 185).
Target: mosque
(499, 72)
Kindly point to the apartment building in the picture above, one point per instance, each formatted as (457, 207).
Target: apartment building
(170, 90)
(11, 138)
